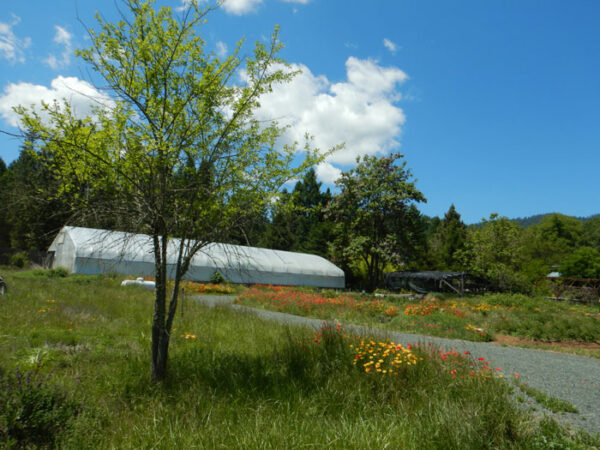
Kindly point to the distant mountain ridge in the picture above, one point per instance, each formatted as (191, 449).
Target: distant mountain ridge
(537, 218)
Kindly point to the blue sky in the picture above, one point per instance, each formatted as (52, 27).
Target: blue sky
(495, 104)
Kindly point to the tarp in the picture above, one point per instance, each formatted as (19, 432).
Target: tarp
(92, 251)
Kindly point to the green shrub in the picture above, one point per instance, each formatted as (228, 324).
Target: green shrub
(59, 272)
(329, 293)
(217, 278)
(20, 260)
(32, 412)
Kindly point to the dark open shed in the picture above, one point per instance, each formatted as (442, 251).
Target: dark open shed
(424, 282)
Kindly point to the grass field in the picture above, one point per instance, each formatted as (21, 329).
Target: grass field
(74, 367)
(476, 318)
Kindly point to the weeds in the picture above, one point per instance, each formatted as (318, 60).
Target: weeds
(32, 411)
(235, 381)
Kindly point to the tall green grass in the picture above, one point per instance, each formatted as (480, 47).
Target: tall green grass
(238, 382)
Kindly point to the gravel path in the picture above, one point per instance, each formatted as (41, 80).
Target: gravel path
(573, 378)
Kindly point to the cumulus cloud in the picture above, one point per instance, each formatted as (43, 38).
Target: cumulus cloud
(61, 37)
(11, 47)
(221, 49)
(360, 111)
(391, 46)
(327, 173)
(240, 7)
(80, 94)
(237, 7)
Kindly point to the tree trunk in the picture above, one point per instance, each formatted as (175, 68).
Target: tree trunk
(160, 334)
(160, 356)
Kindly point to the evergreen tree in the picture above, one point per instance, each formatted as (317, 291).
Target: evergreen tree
(313, 233)
(298, 222)
(280, 233)
(34, 214)
(451, 237)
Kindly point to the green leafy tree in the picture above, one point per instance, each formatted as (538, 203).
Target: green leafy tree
(582, 263)
(376, 220)
(548, 243)
(494, 251)
(178, 144)
(590, 236)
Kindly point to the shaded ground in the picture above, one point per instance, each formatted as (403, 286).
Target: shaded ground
(573, 378)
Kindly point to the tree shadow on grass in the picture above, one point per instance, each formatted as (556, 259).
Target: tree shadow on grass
(294, 367)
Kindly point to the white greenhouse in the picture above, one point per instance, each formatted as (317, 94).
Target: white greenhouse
(90, 251)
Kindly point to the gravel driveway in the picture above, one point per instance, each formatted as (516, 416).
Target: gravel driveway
(573, 378)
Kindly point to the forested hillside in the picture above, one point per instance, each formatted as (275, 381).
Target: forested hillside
(536, 219)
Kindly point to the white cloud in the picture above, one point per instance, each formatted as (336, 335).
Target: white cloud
(328, 173)
(61, 37)
(221, 49)
(11, 47)
(391, 46)
(240, 7)
(360, 111)
(80, 94)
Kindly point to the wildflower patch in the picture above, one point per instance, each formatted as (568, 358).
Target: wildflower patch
(383, 357)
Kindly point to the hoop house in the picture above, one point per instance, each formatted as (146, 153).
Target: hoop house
(91, 251)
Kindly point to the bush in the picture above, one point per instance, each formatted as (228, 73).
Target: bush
(20, 260)
(59, 272)
(216, 277)
(32, 412)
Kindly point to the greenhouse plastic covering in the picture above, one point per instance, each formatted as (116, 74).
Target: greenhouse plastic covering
(92, 251)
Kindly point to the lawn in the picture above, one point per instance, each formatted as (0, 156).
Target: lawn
(475, 318)
(74, 366)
